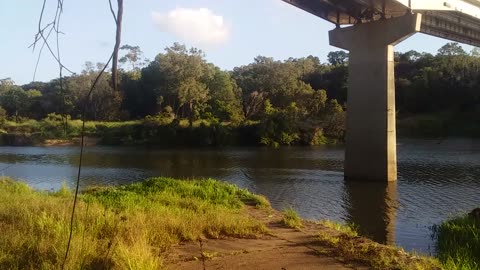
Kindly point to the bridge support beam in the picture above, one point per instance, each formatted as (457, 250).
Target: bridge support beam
(371, 152)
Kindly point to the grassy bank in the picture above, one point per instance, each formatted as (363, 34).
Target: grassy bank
(343, 242)
(165, 132)
(136, 226)
(161, 132)
(139, 132)
(458, 243)
(129, 227)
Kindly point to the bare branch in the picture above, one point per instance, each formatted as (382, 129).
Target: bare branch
(117, 45)
(51, 26)
(40, 55)
(113, 12)
(82, 135)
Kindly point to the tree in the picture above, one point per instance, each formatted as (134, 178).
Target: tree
(192, 93)
(103, 104)
(13, 99)
(279, 126)
(133, 56)
(451, 49)
(280, 82)
(335, 123)
(179, 77)
(33, 102)
(3, 117)
(410, 56)
(475, 52)
(224, 96)
(337, 58)
(317, 103)
(4, 83)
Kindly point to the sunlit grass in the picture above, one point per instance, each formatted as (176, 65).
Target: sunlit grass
(458, 243)
(291, 218)
(129, 227)
(344, 242)
(348, 229)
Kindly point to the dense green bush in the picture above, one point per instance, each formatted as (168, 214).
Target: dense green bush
(54, 126)
(279, 127)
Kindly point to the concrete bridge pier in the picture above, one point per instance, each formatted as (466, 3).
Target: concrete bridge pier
(371, 153)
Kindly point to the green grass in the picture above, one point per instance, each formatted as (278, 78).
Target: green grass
(347, 229)
(291, 218)
(344, 243)
(458, 243)
(127, 227)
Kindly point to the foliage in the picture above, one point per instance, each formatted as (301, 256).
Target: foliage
(3, 116)
(129, 227)
(452, 48)
(133, 56)
(337, 58)
(13, 99)
(435, 95)
(279, 127)
(458, 243)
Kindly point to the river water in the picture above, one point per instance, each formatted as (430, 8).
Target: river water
(437, 180)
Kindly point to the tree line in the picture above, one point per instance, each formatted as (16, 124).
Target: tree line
(288, 99)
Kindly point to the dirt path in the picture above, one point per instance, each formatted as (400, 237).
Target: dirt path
(282, 249)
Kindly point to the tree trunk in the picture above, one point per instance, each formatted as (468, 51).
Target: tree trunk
(190, 118)
(65, 125)
(118, 21)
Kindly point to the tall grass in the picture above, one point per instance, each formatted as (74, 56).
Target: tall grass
(458, 243)
(128, 227)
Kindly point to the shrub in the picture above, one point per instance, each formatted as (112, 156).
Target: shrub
(53, 126)
(279, 127)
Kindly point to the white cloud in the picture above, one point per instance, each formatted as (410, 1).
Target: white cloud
(199, 26)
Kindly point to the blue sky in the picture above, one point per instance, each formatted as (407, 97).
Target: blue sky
(231, 32)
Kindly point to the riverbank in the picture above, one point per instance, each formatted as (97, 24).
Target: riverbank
(87, 141)
(168, 133)
(439, 125)
(161, 133)
(141, 226)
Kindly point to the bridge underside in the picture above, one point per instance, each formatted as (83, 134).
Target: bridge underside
(443, 22)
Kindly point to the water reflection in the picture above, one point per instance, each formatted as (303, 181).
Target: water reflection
(372, 206)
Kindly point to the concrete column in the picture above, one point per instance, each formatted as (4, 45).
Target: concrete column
(373, 207)
(371, 152)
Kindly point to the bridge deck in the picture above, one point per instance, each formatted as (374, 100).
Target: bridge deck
(457, 20)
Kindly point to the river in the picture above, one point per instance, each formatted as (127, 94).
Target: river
(437, 179)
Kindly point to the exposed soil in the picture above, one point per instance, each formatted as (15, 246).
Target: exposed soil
(88, 141)
(283, 249)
